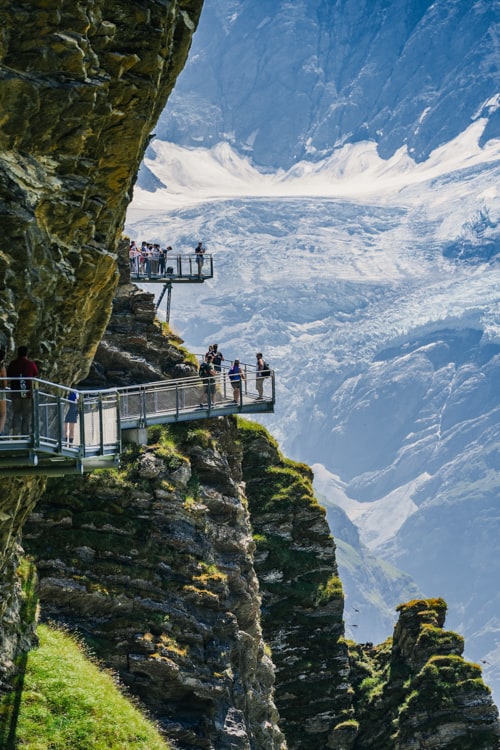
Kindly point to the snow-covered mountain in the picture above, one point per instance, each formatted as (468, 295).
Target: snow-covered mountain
(284, 80)
(366, 270)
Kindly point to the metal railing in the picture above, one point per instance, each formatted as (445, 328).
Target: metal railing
(193, 398)
(38, 420)
(175, 268)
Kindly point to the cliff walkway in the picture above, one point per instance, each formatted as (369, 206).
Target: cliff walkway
(106, 417)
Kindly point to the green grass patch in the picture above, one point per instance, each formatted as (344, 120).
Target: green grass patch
(331, 589)
(160, 437)
(62, 700)
(254, 428)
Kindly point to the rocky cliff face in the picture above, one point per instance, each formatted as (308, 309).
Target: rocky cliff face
(416, 690)
(302, 597)
(81, 86)
(153, 565)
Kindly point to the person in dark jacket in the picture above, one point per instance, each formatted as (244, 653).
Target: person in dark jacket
(21, 371)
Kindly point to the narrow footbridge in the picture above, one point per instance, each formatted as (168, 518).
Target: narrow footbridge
(106, 417)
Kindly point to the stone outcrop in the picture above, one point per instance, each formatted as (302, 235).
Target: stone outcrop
(81, 86)
(416, 691)
(302, 597)
(153, 566)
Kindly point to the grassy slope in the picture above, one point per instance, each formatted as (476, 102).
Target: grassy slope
(64, 701)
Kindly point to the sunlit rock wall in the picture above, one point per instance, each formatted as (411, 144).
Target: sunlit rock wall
(81, 86)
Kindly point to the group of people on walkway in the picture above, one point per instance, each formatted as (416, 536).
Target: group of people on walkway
(151, 258)
(18, 378)
(212, 366)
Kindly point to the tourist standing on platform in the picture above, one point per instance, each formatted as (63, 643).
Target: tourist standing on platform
(260, 375)
(71, 417)
(133, 255)
(24, 369)
(143, 257)
(218, 357)
(154, 261)
(236, 375)
(199, 252)
(207, 374)
(3, 394)
(162, 261)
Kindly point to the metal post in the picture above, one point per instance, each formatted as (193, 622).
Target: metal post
(118, 422)
(167, 287)
(144, 415)
(60, 424)
(101, 425)
(81, 420)
(35, 417)
(169, 300)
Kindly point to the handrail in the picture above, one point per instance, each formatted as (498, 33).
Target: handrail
(38, 425)
(187, 267)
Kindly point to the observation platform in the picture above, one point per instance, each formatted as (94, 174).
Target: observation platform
(107, 417)
(175, 269)
(178, 269)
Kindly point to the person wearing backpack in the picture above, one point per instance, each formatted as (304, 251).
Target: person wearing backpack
(218, 358)
(263, 371)
(236, 375)
(22, 369)
(207, 373)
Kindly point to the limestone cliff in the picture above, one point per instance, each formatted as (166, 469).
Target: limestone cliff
(81, 86)
(153, 565)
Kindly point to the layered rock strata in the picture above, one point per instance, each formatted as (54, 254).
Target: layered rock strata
(153, 566)
(302, 597)
(81, 86)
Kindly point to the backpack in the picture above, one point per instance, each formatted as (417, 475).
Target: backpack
(266, 370)
(204, 371)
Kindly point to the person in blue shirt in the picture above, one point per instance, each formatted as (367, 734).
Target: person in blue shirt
(236, 376)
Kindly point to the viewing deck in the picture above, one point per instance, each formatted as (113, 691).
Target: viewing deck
(106, 417)
(176, 269)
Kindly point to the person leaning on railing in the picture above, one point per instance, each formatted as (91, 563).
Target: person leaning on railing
(21, 370)
(236, 375)
(207, 374)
